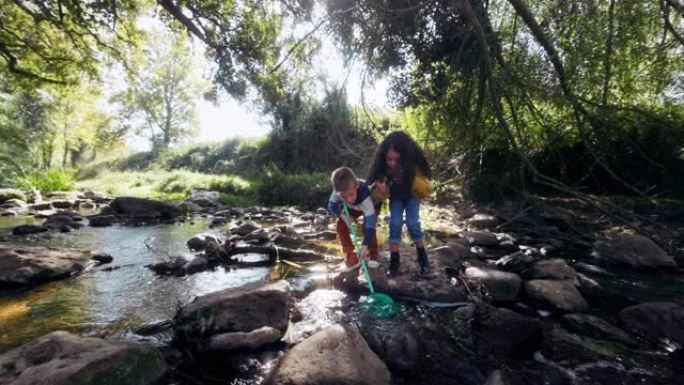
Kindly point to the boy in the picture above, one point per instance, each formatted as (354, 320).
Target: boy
(357, 195)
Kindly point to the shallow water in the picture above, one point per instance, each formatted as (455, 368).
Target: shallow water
(646, 287)
(115, 299)
(114, 302)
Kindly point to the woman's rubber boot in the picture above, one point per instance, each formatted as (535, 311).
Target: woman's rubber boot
(423, 260)
(393, 265)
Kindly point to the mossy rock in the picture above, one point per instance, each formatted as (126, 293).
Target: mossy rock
(67, 359)
(10, 193)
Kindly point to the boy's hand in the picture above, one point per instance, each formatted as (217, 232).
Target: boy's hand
(364, 252)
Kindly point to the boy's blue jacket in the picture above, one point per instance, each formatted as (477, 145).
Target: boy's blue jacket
(363, 203)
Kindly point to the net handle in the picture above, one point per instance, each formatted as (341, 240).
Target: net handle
(355, 237)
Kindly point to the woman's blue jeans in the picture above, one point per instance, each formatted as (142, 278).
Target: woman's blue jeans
(410, 205)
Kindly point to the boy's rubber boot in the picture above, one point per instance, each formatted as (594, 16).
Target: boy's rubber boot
(423, 260)
(351, 263)
(393, 265)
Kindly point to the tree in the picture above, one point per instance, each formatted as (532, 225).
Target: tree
(163, 89)
(81, 126)
(57, 41)
(553, 80)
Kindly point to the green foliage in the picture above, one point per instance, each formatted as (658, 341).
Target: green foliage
(164, 185)
(305, 190)
(184, 182)
(479, 115)
(50, 180)
(243, 200)
(228, 157)
(317, 136)
(589, 92)
(55, 126)
(56, 42)
(163, 87)
(273, 188)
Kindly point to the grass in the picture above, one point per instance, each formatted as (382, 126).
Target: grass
(165, 185)
(47, 181)
(271, 189)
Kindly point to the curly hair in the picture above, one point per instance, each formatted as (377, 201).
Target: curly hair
(412, 158)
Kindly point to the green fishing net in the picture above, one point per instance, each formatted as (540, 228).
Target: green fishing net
(380, 305)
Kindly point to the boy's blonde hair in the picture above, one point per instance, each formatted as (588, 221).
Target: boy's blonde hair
(341, 178)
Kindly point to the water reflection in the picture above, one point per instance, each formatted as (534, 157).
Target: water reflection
(112, 302)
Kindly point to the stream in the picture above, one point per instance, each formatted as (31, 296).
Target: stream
(115, 300)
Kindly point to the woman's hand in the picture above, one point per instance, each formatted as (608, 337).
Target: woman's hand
(381, 186)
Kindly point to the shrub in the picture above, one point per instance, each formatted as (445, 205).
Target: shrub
(51, 180)
(243, 200)
(183, 182)
(304, 190)
(229, 184)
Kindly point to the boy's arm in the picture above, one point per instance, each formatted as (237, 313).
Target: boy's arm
(369, 220)
(334, 205)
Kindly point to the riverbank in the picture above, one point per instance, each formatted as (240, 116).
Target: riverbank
(502, 266)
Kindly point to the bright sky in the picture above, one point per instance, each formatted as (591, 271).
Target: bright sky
(231, 119)
(228, 120)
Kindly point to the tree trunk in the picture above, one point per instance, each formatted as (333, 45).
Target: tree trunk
(609, 53)
(547, 45)
(467, 10)
(668, 23)
(65, 154)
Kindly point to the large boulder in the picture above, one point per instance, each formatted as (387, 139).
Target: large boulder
(63, 203)
(335, 355)
(500, 285)
(24, 265)
(451, 255)
(557, 295)
(200, 241)
(403, 348)
(41, 206)
(97, 196)
(480, 238)
(10, 193)
(144, 209)
(244, 341)
(559, 345)
(62, 222)
(205, 198)
(633, 251)
(61, 358)
(102, 220)
(553, 269)
(14, 204)
(245, 228)
(409, 283)
(29, 229)
(518, 262)
(64, 195)
(498, 331)
(434, 286)
(595, 327)
(234, 310)
(482, 221)
(659, 322)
